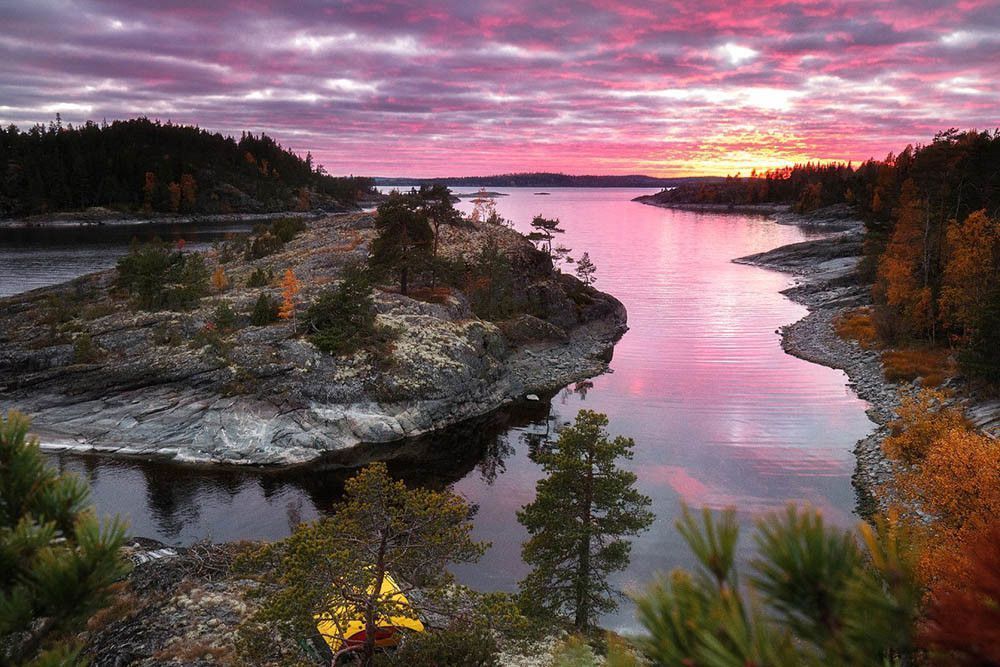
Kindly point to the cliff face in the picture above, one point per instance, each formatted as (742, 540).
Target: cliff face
(98, 375)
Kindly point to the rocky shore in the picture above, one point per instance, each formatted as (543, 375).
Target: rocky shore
(159, 384)
(828, 284)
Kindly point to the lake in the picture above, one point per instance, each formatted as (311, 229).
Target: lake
(720, 415)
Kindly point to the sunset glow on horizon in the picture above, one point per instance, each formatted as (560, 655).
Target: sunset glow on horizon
(462, 87)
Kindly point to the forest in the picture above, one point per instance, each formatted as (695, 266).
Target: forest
(146, 166)
(932, 236)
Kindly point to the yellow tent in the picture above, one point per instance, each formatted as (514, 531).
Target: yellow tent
(339, 637)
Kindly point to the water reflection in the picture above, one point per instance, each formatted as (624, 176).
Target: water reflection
(180, 505)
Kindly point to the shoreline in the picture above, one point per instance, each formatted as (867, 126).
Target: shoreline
(266, 398)
(826, 283)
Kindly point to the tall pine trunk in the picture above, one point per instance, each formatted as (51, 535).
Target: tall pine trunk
(583, 568)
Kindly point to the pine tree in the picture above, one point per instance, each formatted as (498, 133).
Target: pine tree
(583, 510)
(816, 595)
(57, 560)
(545, 230)
(337, 565)
(405, 236)
(585, 270)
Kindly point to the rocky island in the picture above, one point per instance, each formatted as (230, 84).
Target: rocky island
(97, 374)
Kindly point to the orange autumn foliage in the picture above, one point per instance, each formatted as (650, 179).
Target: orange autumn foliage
(962, 620)
(290, 287)
(175, 196)
(971, 272)
(857, 325)
(948, 476)
(902, 275)
(219, 279)
(932, 366)
(189, 190)
(922, 419)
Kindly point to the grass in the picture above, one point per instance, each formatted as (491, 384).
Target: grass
(430, 294)
(931, 365)
(857, 325)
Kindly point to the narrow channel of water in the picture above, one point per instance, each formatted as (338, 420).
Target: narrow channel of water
(720, 415)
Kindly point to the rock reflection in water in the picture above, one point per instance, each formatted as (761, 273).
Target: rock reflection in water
(179, 505)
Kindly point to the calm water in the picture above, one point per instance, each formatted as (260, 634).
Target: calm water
(33, 258)
(720, 415)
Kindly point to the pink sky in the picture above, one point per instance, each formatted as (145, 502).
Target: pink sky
(462, 87)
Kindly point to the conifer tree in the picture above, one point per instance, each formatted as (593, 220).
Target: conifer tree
(816, 595)
(405, 236)
(584, 508)
(585, 270)
(57, 560)
(337, 564)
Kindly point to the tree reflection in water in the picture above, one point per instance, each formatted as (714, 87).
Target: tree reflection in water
(181, 504)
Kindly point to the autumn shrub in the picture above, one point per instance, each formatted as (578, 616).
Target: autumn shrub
(947, 477)
(431, 294)
(932, 366)
(922, 419)
(265, 310)
(857, 325)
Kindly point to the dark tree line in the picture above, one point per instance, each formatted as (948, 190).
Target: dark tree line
(141, 164)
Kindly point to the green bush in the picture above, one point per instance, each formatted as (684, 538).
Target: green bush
(224, 318)
(287, 229)
(162, 279)
(265, 311)
(459, 645)
(263, 245)
(342, 319)
(269, 240)
(260, 278)
(85, 351)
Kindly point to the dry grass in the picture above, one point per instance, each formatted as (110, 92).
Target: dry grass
(932, 365)
(355, 239)
(187, 651)
(430, 294)
(123, 604)
(857, 325)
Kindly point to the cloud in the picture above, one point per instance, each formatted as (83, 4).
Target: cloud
(395, 87)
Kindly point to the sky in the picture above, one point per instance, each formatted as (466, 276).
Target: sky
(464, 87)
